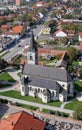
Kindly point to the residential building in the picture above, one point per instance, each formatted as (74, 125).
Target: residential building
(40, 4)
(47, 83)
(60, 34)
(21, 121)
(19, 2)
(46, 30)
(14, 32)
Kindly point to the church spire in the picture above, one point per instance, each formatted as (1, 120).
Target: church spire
(32, 43)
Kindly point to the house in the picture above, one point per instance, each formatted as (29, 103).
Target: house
(21, 121)
(51, 52)
(46, 30)
(40, 4)
(19, 2)
(60, 34)
(15, 32)
(36, 18)
(47, 83)
(80, 37)
(5, 27)
(70, 33)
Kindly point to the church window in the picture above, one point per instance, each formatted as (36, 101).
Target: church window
(35, 90)
(53, 93)
(38, 89)
(30, 88)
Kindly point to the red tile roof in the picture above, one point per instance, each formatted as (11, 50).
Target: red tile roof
(51, 52)
(17, 29)
(21, 121)
(5, 26)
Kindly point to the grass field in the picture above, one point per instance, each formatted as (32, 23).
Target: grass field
(26, 106)
(78, 85)
(72, 105)
(16, 94)
(6, 76)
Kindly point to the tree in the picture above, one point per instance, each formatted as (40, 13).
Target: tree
(3, 64)
(53, 26)
(77, 112)
(80, 72)
(72, 53)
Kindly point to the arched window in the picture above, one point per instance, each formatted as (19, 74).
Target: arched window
(38, 89)
(52, 93)
(30, 88)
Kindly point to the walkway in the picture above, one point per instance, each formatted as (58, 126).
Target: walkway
(41, 106)
(13, 73)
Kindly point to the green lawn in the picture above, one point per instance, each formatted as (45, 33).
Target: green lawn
(78, 85)
(16, 94)
(48, 111)
(72, 105)
(27, 106)
(6, 76)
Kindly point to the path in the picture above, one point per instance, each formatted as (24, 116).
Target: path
(38, 105)
(13, 73)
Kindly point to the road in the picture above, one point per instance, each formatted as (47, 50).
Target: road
(15, 50)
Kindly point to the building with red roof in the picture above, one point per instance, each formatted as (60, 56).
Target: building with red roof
(22, 121)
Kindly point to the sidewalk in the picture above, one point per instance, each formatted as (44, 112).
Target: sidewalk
(13, 73)
(41, 106)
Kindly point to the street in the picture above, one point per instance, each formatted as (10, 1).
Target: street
(15, 50)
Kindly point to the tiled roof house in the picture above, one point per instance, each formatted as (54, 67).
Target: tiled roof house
(21, 121)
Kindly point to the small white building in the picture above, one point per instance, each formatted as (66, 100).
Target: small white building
(60, 34)
(46, 30)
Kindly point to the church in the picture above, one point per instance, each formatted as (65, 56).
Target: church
(47, 83)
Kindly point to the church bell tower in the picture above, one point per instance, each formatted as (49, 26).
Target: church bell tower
(32, 54)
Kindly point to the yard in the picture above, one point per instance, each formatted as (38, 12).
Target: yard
(72, 105)
(16, 94)
(78, 85)
(4, 76)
